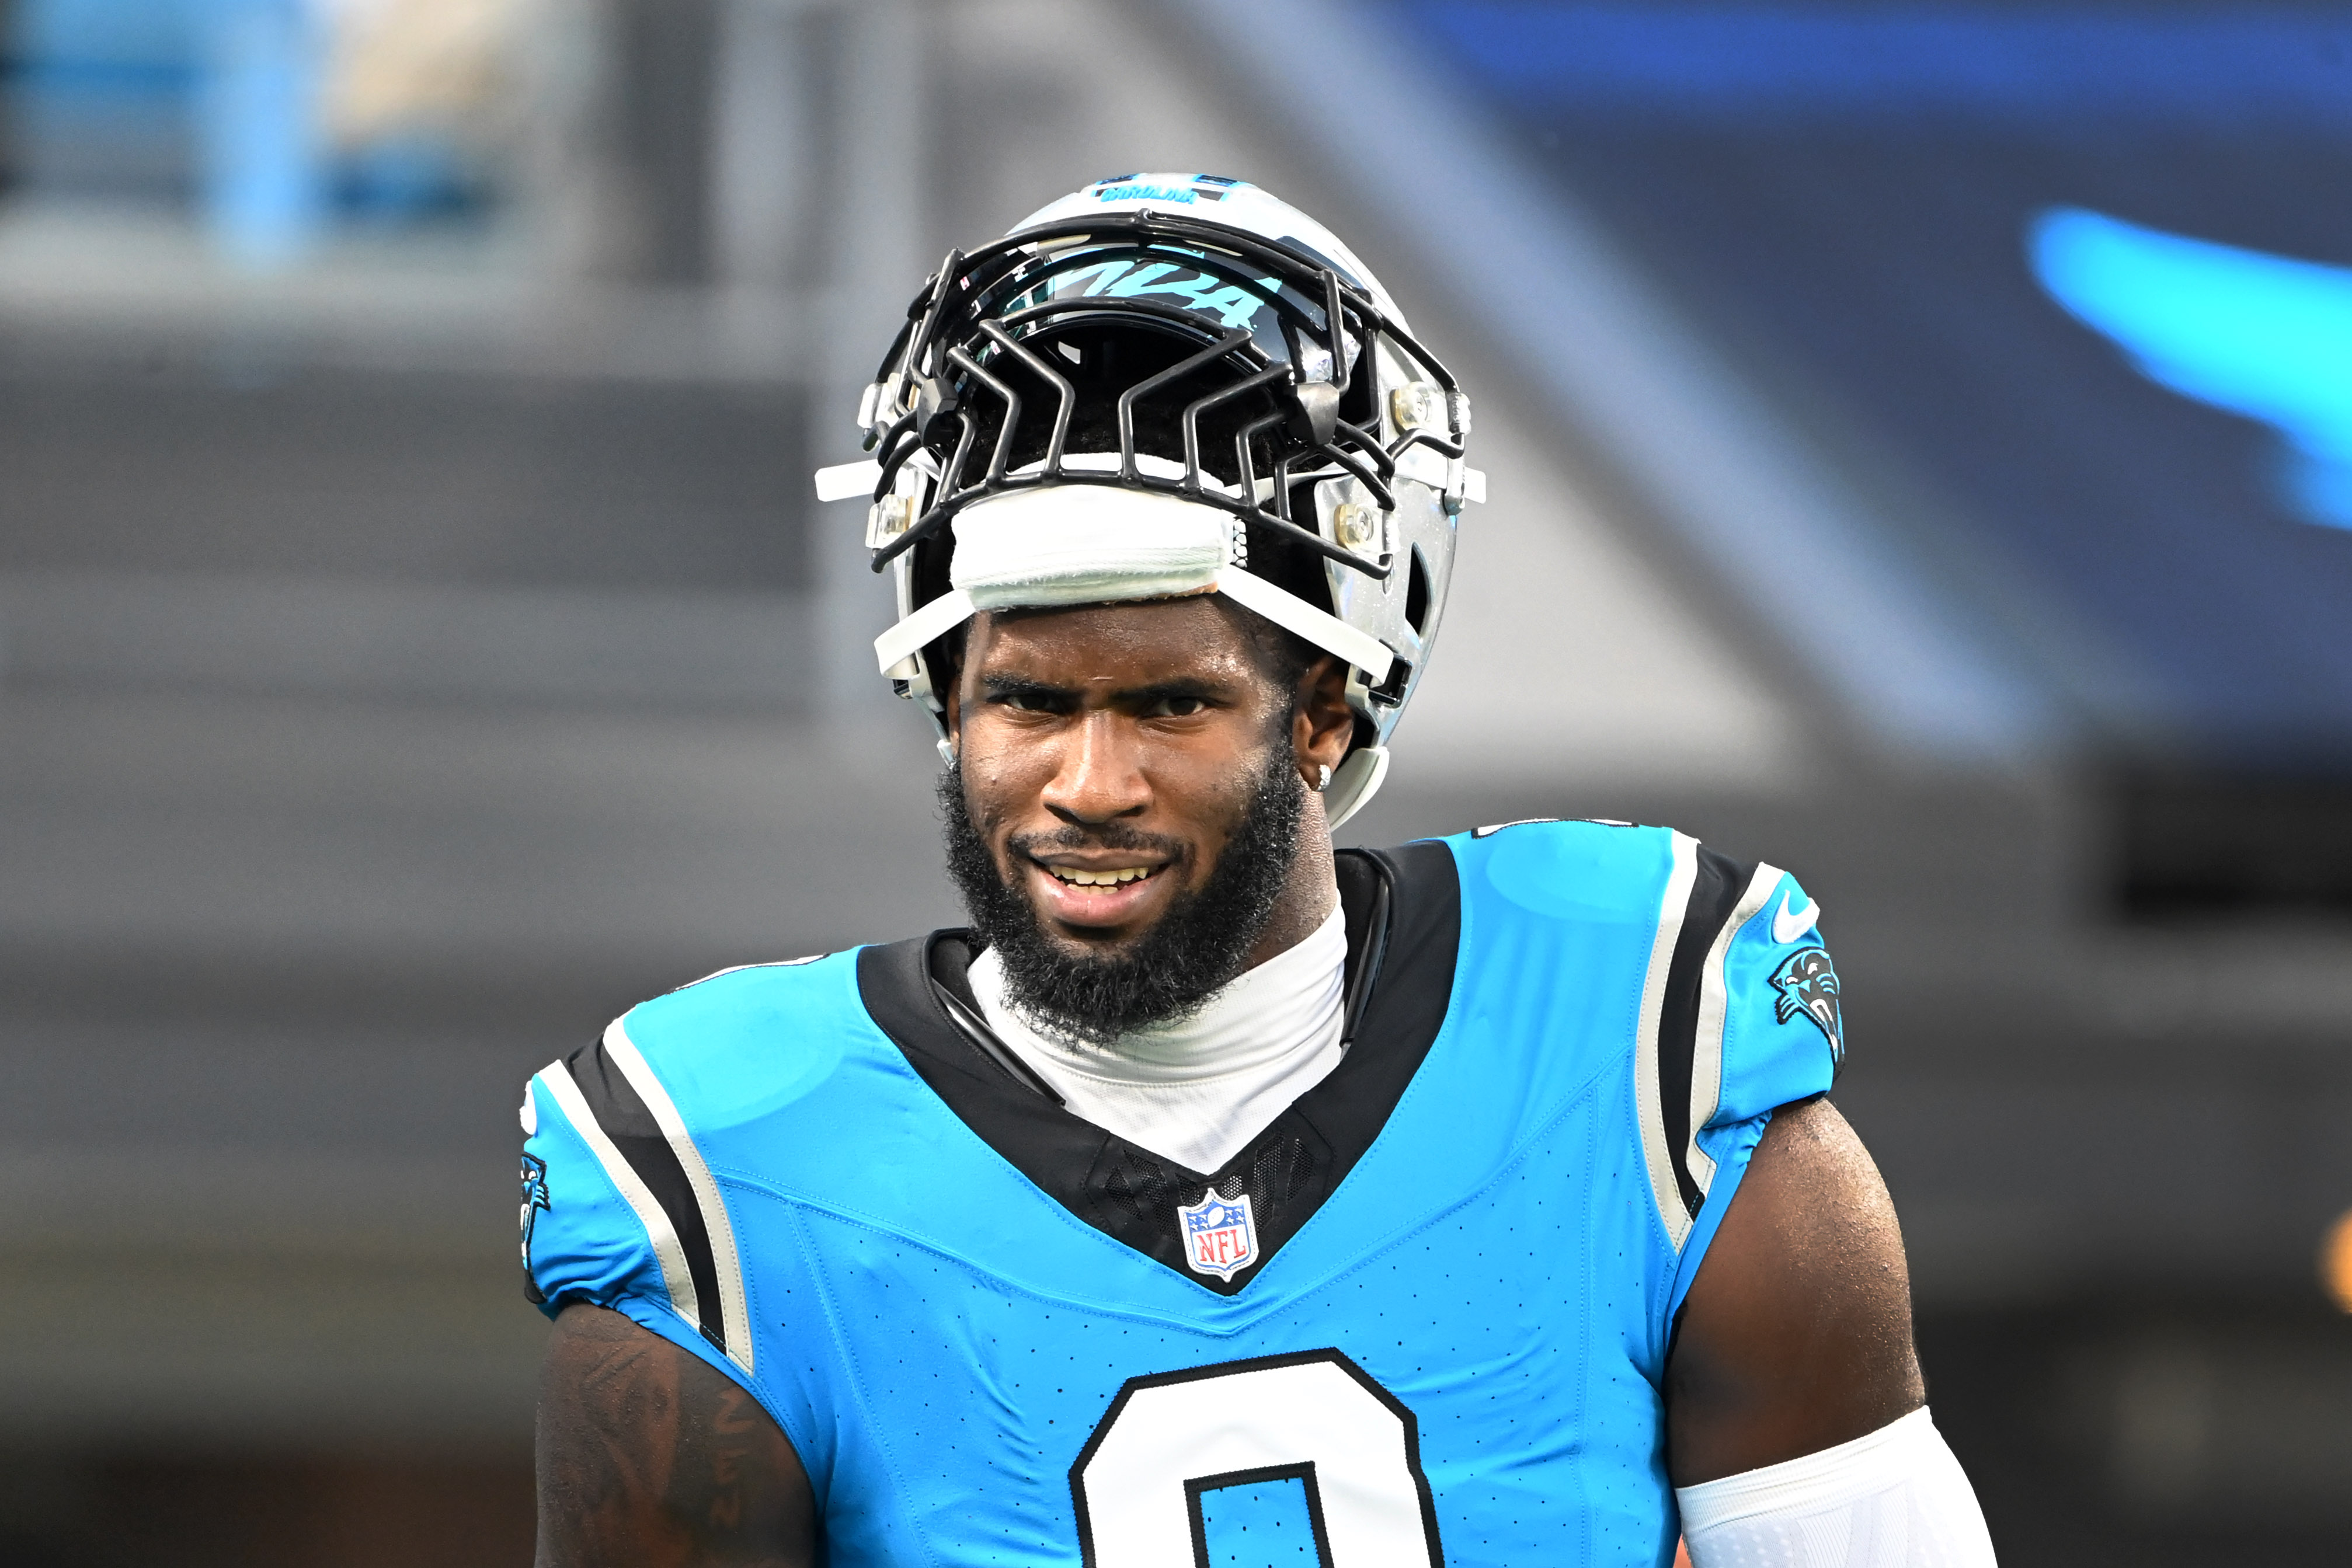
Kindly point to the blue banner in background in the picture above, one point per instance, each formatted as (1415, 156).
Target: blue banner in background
(2079, 277)
(2039, 66)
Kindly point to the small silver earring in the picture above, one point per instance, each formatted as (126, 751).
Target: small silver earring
(1325, 782)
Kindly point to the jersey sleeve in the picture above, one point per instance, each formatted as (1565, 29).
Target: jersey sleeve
(1768, 1032)
(582, 1240)
(1782, 1037)
(621, 1210)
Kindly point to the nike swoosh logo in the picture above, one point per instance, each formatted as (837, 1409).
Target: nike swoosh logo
(1789, 925)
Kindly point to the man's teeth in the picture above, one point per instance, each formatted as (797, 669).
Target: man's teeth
(1101, 878)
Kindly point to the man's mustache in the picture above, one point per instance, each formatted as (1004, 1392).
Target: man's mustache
(1109, 836)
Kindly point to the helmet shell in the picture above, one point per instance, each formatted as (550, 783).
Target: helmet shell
(1220, 199)
(1307, 411)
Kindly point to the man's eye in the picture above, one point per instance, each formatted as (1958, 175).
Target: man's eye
(1175, 707)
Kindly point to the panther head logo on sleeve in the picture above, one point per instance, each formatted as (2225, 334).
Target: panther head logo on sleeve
(1808, 983)
(534, 1199)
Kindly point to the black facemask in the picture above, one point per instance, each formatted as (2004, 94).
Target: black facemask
(1199, 944)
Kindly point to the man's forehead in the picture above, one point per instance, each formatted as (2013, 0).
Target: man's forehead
(1176, 636)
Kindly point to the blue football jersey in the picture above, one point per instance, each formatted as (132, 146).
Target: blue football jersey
(1422, 1319)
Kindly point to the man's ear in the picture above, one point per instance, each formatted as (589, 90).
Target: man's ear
(1322, 724)
(954, 650)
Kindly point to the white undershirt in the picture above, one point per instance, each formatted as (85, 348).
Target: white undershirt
(1196, 1091)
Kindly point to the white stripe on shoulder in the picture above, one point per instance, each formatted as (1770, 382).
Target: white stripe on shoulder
(762, 963)
(1673, 903)
(735, 1313)
(677, 1281)
(1714, 1010)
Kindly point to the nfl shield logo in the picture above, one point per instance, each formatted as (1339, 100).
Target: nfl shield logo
(1219, 1238)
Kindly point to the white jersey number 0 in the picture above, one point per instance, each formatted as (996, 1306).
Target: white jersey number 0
(1316, 1417)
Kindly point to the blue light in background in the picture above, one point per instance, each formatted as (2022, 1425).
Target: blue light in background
(2264, 335)
(2231, 65)
(217, 107)
(258, 123)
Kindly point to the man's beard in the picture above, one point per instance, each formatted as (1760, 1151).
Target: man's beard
(1198, 945)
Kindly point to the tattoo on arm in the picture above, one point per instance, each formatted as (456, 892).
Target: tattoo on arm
(647, 1456)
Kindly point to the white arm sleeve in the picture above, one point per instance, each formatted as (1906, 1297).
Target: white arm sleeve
(1895, 1498)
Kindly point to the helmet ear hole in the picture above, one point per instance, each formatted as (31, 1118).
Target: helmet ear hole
(1417, 595)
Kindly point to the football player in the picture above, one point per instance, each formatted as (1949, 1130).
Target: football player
(1218, 1196)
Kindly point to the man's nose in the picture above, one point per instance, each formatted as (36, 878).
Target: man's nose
(1100, 777)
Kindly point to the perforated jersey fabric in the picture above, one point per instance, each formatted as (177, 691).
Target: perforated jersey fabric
(1457, 1357)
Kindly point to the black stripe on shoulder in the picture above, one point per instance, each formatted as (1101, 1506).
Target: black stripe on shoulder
(1401, 985)
(1715, 892)
(622, 1115)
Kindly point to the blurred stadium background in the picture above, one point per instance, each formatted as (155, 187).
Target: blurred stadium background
(1921, 443)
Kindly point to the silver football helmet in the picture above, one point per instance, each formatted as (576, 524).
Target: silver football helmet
(1167, 384)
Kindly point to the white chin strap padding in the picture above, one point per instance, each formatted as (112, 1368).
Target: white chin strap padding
(1354, 783)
